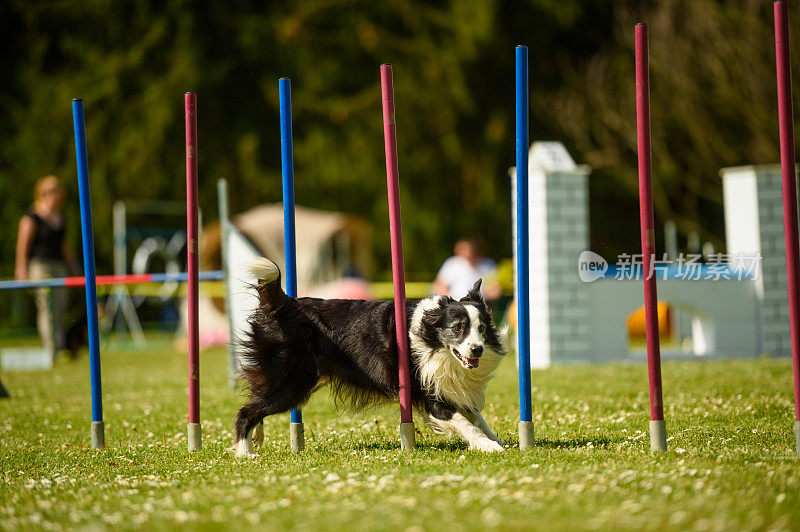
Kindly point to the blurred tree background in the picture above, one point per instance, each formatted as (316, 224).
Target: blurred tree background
(713, 105)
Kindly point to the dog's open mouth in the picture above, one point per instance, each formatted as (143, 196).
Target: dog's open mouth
(469, 363)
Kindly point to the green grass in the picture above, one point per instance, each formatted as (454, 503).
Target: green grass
(731, 463)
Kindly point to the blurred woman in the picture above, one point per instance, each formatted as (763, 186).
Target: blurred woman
(42, 252)
(458, 273)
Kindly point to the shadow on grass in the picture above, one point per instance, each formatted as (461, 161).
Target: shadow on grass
(575, 443)
(458, 445)
(378, 446)
(394, 445)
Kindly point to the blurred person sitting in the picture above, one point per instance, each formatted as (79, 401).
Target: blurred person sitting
(464, 268)
(42, 252)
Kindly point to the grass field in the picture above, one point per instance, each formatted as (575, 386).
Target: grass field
(731, 463)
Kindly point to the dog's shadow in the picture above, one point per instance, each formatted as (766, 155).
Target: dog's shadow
(452, 446)
(598, 443)
(575, 443)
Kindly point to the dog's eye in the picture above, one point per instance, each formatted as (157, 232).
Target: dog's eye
(457, 328)
(481, 328)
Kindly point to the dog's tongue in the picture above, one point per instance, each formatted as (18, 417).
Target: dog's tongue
(473, 362)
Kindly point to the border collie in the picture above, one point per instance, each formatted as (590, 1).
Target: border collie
(295, 346)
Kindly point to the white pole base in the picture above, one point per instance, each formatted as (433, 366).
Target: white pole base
(258, 433)
(658, 436)
(98, 435)
(797, 435)
(194, 436)
(526, 435)
(297, 437)
(407, 435)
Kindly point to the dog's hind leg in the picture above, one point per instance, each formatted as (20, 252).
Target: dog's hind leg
(290, 395)
(247, 418)
(258, 433)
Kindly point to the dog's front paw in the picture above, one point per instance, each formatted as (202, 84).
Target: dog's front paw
(487, 446)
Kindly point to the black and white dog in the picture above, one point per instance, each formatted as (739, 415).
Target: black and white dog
(295, 346)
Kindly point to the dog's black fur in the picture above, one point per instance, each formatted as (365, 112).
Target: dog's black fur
(295, 346)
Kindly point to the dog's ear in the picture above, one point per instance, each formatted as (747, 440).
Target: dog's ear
(474, 293)
(474, 296)
(432, 317)
(476, 288)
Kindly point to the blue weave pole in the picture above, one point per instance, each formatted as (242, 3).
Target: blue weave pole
(287, 167)
(98, 432)
(523, 290)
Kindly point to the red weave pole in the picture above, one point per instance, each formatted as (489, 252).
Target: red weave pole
(395, 230)
(191, 255)
(646, 222)
(788, 174)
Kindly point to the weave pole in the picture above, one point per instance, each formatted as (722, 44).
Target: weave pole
(658, 433)
(223, 209)
(398, 268)
(788, 174)
(193, 428)
(296, 433)
(523, 278)
(98, 429)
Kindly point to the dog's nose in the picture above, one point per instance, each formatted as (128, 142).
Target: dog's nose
(477, 350)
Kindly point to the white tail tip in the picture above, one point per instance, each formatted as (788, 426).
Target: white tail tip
(502, 333)
(261, 269)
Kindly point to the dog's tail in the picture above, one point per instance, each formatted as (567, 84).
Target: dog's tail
(502, 336)
(268, 283)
